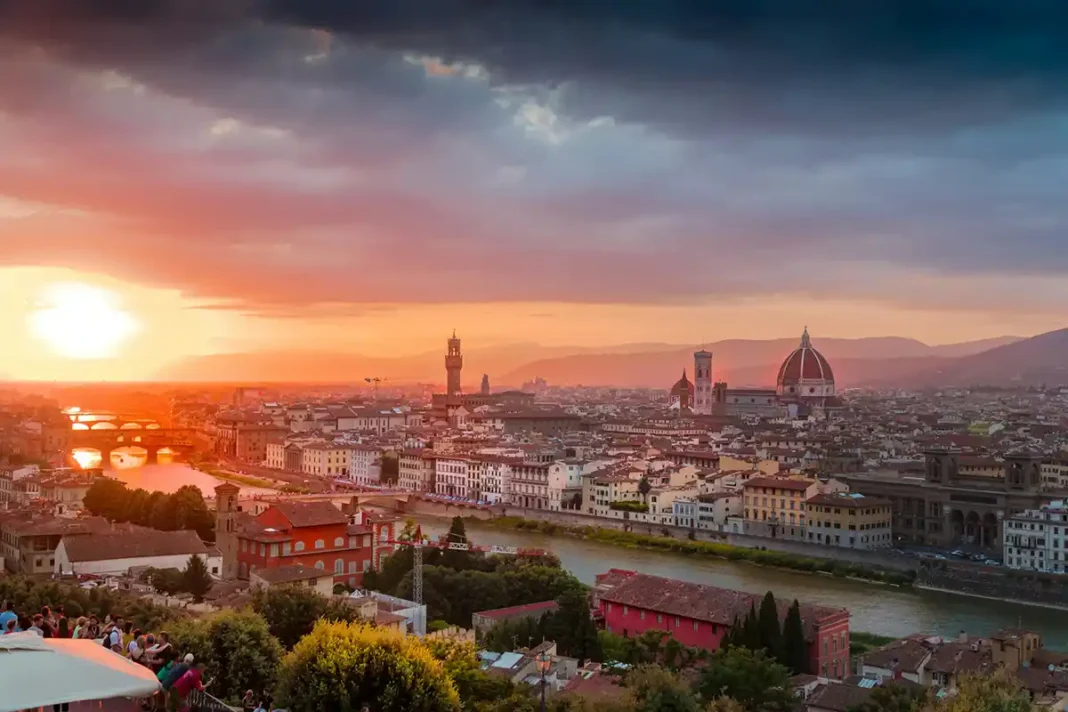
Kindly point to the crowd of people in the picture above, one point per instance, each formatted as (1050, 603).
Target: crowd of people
(178, 675)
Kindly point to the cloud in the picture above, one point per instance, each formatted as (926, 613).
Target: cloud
(279, 153)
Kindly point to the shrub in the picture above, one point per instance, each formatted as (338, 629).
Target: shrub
(341, 666)
(238, 648)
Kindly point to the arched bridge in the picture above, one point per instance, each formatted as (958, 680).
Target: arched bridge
(151, 439)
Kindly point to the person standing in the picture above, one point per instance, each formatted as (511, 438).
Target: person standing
(63, 628)
(193, 679)
(38, 625)
(7, 614)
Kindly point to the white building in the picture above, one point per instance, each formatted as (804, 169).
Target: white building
(116, 552)
(530, 485)
(276, 456)
(491, 478)
(450, 476)
(565, 483)
(1037, 539)
(365, 464)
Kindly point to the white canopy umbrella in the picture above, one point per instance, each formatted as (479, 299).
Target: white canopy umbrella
(39, 672)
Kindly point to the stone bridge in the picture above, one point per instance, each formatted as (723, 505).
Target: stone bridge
(152, 440)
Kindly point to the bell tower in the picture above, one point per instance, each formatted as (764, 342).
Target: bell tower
(702, 383)
(226, 527)
(454, 363)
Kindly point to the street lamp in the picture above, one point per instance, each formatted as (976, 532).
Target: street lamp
(544, 661)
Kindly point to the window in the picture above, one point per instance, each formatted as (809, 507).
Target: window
(608, 607)
(366, 565)
(352, 567)
(244, 545)
(320, 544)
(339, 542)
(299, 546)
(286, 549)
(696, 625)
(641, 615)
(263, 549)
(676, 621)
(274, 550)
(320, 565)
(659, 618)
(624, 610)
(339, 566)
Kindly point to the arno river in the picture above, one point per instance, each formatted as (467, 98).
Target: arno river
(875, 608)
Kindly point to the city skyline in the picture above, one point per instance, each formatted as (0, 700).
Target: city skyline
(278, 176)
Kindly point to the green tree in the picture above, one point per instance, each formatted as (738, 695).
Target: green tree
(750, 677)
(478, 690)
(291, 612)
(795, 649)
(751, 637)
(457, 534)
(196, 579)
(658, 690)
(644, 487)
(190, 512)
(770, 631)
(169, 581)
(572, 627)
(1000, 692)
(390, 468)
(238, 648)
(106, 498)
(342, 666)
(895, 698)
(521, 633)
(135, 502)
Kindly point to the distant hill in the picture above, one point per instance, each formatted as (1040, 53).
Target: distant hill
(741, 362)
(1039, 360)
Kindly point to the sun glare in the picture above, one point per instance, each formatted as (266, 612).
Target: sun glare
(80, 321)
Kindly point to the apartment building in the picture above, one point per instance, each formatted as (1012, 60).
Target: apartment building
(450, 476)
(1037, 539)
(365, 464)
(850, 521)
(415, 470)
(325, 460)
(530, 484)
(775, 506)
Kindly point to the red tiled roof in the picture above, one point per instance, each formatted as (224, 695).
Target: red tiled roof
(778, 483)
(701, 602)
(311, 514)
(519, 610)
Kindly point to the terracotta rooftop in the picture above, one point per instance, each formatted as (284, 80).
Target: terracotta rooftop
(289, 574)
(311, 514)
(838, 697)
(498, 613)
(699, 601)
(124, 545)
(778, 483)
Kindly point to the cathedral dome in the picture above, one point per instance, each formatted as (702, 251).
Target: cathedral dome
(805, 373)
(682, 391)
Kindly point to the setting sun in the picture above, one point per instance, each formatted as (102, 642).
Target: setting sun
(81, 321)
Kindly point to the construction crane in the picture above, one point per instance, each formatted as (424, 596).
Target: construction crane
(417, 543)
(375, 380)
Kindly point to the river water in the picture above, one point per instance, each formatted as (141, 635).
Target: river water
(130, 465)
(874, 608)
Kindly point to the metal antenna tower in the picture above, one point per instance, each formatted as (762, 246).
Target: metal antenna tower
(375, 380)
(417, 566)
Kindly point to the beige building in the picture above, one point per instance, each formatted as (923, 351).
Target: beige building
(325, 459)
(295, 575)
(28, 541)
(850, 521)
(415, 470)
(775, 506)
(605, 489)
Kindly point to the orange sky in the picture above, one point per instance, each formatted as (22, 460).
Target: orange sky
(170, 327)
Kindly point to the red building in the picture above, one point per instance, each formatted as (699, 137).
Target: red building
(317, 535)
(700, 616)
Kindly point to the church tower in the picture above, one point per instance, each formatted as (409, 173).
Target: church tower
(226, 527)
(454, 363)
(702, 383)
(485, 385)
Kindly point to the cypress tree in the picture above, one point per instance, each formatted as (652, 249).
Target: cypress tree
(732, 638)
(770, 632)
(751, 631)
(795, 650)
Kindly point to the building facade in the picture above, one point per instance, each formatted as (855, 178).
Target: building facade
(700, 616)
(849, 521)
(775, 506)
(415, 470)
(1037, 539)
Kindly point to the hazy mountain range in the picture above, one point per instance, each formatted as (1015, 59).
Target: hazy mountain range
(884, 361)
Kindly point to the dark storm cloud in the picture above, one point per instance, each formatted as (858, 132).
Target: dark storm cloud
(820, 147)
(821, 65)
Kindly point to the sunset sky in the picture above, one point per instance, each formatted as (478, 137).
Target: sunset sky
(182, 177)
